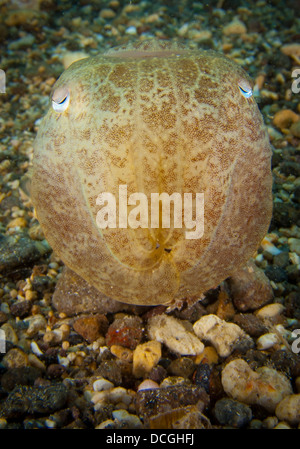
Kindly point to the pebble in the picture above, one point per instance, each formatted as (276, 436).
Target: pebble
(131, 420)
(267, 341)
(292, 50)
(16, 251)
(289, 409)
(107, 424)
(73, 295)
(118, 395)
(107, 13)
(17, 222)
(232, 413)
(270, 311)
(209, 355)
(91, 327)
(110, 370)
(10, 334)
(126, 331)
(294, 245)
(265, 386)
(222, 335)
(285, 118)
(250, 288)
(268, 246)
(182, 367)
(235, 27)
(3, 317)
(295, 129)
(157, 401)
(122, 353)
(282, 425)
(21, 16)
(131, 30)
(202, 376)
(158, 374)
(15, 358)
(172, 381)
(174, 334)
(270, 422)
(25, 375)
(36, 323)
(102, 384)
(145, 357)
(22, 43)
(26, 400)
(251, 324)
(147, 384)
(21, 308)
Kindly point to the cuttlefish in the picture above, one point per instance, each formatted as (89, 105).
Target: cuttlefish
(149, 120)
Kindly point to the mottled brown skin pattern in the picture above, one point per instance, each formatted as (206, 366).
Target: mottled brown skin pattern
(158, 118)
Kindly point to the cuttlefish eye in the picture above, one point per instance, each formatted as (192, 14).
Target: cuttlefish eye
(60, 99)
(245, 88)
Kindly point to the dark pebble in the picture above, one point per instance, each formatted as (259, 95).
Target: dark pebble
(287, 362)
(190, 313)
(285, 215)
(27, 400)
(25, 375)
(292, 303)
(256, 358)
(290, 168)
(21, 308)
(276, 274)
(73, 295)
(55, 371)
(282, 259)
(158, 374)
(183, 367)
(41, 283)
(232, 413)
(110, 370)
(16, 251)
(250, 288)
(293, 273)
(3, 317)
(202, 376)
(251, 324)
(161, 400)
(296, 195)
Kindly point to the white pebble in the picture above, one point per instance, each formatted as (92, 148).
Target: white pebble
(35, 348)
(289, 409)
(174, 334)
(50, 424)
(102, 384)
(265, 386)
(64, 361)
(222, 335)
(270, 311)
(147, 384)
(131, 30)
(268, 246)
(267, 341)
